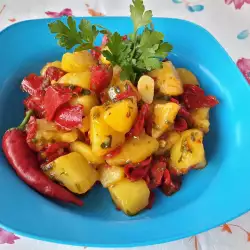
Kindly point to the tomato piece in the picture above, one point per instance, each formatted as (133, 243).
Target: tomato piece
(180, 124)
(53, 73)
(194, 97)
(69, 117)
(54, 98)
(101, 76)
(34, 85)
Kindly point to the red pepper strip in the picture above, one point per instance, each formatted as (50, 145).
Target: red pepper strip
(151, 200)
(101, 76)
(53, 73)
(54, 147)
(126, 94)
(156, 174)
(53, 99)
(36, 103)
(171, 183)
(113, 153)
(69, 117)
(194, 97)
(26, 165)
(138, 126)
(180, 124)
(104, 96)
(174, 100)
(33, 84)
(31, 129)
(96, 52)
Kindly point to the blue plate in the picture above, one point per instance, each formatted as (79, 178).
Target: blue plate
(207, 199)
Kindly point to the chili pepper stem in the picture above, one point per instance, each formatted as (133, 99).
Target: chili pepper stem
(25, 120)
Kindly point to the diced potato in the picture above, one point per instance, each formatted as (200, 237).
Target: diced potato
(121, 115)
(110, 175)
(72, 171)
(85, 124)
(200, 119)
(187, 77)
(103, 58)
(135, 150)
(130, 197)
(87, 101)
(56, 64)
(200, 165)
(103, 138)
(188, 151)
(86, 152)
(47, 132)
(167, 80)
(166, 144)
(81, 79)
(146, 85)
(77, 61)
(163, 118)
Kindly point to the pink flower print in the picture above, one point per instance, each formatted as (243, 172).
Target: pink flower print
(65, 12)
(7, 237)
(237, 3)
(244, 66)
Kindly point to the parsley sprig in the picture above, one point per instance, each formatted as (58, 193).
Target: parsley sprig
(141, 53)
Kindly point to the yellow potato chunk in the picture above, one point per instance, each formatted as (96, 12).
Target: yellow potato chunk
(163, 117)
(110, 175)
(167, 80)
(77, 61)
(87, 101)
(187, 77)
(103, 58)
(188, 151)
(103, 138)
(135, 150)
(85, 124)
(56, 64)
(121, 115)
(146, 87)
(166, 144)
(81, 79)
(86, 152)
(73, 172)
(200, 118)
(130, 197)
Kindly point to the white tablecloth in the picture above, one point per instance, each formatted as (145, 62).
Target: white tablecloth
(227, 20)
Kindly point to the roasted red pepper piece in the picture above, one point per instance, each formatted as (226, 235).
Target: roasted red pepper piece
(174, 100)
(69, 117)
(54, 98)
(137, 171)
(194, 97)
(31, 129)
(26, 165)
(34, 85)
(96, 52)
(125, 37)
(113, 153)
(36, 103)
(126, 94)
(55, 150)
(156, 173)
(171, 183)
(138, 126)
(53, 73)
(151, 200)
(180, 124)
(101, 76)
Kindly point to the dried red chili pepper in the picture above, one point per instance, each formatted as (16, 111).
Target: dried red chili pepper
(126, 94)
(101, 76)
(180, 124)
(194, 97)
(53, 73)
(113, 153)
(69, 117)
(35, 103)
(156, 173)
(151, 200)
(53, 99)
(33, 85)
(138, 126)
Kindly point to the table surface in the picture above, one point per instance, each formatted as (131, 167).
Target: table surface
(227, 20)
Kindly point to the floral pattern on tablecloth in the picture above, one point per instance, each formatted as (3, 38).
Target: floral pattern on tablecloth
(211, 14)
